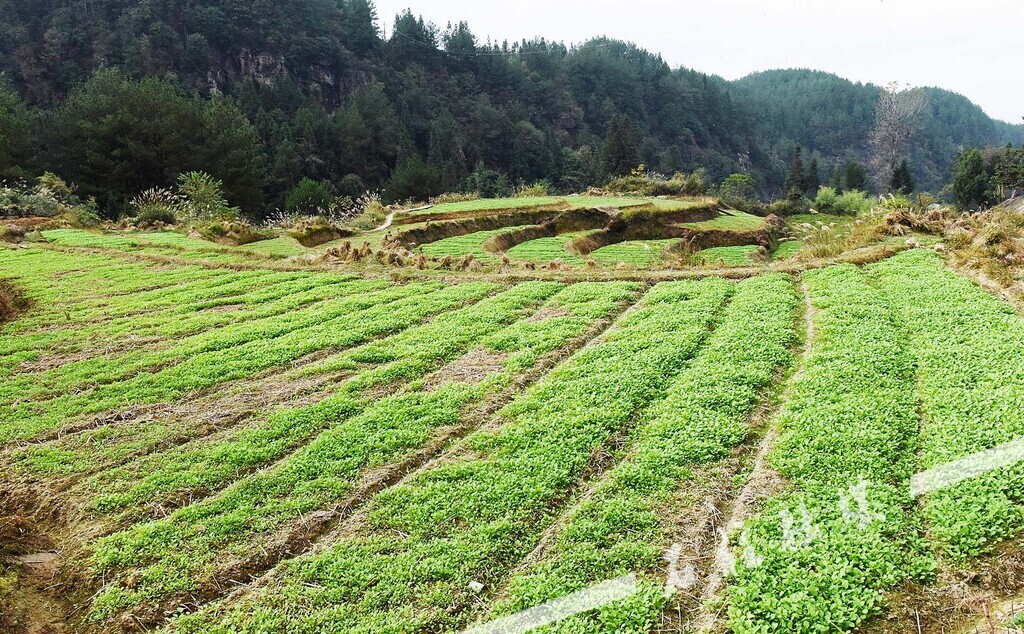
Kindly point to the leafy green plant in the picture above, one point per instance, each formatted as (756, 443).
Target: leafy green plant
(827, 550)
(470, 517)
(969, 348)
(622, 526)
(202, 198)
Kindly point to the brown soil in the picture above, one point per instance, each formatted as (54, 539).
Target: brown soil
(29, 564)
(55, 360)
(12, 301)
(548, 312)
(978, 600)
(224, 308)
(472, 368)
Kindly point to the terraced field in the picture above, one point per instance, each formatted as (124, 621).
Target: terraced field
(634, 252)
(193, 448)
(547, 249)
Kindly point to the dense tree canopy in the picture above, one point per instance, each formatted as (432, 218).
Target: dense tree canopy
(123, 95)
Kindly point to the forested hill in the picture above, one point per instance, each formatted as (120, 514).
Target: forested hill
(314, 90)
(831, 116)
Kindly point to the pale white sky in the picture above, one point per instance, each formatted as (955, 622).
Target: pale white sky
(973, 47)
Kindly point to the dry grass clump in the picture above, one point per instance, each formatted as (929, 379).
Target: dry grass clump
(825, 240)
(12, 302)
(991, 243)
(12, 233)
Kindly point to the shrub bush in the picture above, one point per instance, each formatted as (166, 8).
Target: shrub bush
(155, 206)
(853, 202)
(308, 197)
(788, 207)
(454, 197)
(652, 185)
(540, 188)
(202, 198)
(50, 197)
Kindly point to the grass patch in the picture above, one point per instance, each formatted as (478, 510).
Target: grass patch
(729, 256)
(633, 252)
(459, 246)
(547, 250)
(731, 221)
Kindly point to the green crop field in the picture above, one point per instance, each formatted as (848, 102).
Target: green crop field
(730, 221)
(729, 256)
(459, 246)
(634, 252)
(211, 448)
(547, 249)
(571, 202)
(787, 249)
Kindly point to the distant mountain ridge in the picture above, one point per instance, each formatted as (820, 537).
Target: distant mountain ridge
(331, 99)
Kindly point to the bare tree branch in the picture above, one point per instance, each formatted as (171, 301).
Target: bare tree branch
(897, 117)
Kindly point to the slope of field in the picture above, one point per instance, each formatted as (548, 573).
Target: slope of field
(204, 449)
(547, 249)
(634, 252)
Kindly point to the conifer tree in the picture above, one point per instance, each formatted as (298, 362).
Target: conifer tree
(795, 179)
(813, 180)
(902, 181)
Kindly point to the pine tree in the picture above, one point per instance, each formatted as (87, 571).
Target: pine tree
(902, 181)
(813, 180)
(620, 152)
(837, 180)
(795, 179)
(855, 175)
(970, 180)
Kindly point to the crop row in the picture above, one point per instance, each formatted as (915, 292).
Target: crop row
(547, 249)
(408, 562)
(459, 246)
(51, 278)
(201, 463)
(367, 315)
(298, 306)
(156, 243)
(969, 348)
(153, 312)
(407, 355)
(625, 524)
(174, 556)
(821, 554)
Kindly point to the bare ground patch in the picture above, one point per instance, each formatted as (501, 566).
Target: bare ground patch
(979, 599)
(472, 368)
(50, 361)
(548, 312)
(29, 584)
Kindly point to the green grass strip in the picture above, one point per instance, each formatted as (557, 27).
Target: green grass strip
(459, 246)
(473, 516)
(407, 355)
(371, 314)
(969, 348)
(620, 528)
(298, 307)
(810, 562)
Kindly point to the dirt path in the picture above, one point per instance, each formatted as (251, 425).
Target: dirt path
(387, 221)
(762, 482)
(30, 559)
